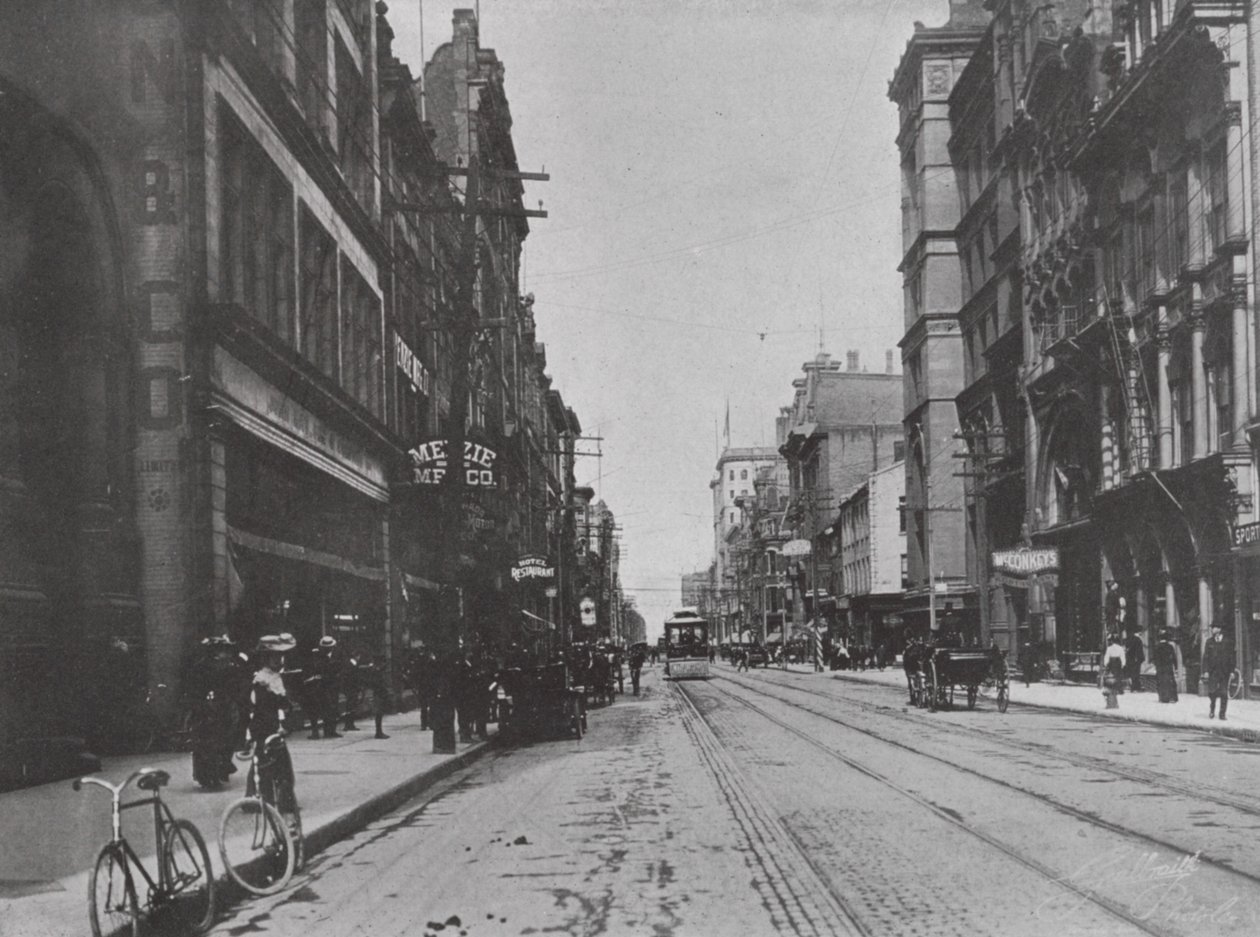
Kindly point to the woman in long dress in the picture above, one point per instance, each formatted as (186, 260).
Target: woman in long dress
(1166, 668)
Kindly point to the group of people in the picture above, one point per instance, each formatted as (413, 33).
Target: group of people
(467, 682)
(225, 686)
(859, 657)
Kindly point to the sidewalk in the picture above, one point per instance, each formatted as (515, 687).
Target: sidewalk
(1189, 711)
(50, 835)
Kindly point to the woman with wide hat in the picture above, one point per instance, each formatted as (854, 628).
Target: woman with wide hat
(269, 704)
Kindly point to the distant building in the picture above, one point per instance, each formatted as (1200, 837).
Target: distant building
(842, 425)
(872, 538)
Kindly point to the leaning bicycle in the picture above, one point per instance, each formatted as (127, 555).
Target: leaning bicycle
(122, 892)
(260, 836)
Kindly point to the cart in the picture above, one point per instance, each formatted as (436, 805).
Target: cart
(540, 702)
(947, 668)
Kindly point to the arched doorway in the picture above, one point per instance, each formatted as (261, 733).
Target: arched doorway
(68, 557)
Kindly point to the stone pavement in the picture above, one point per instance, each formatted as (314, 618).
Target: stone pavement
(50, 835)
(1190, 711)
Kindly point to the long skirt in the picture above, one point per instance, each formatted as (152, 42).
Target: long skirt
(1166, 685)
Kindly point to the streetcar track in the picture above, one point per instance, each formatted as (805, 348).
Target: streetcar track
(1204, 792)
(1083, 815)
(953, 819)
(768, 839)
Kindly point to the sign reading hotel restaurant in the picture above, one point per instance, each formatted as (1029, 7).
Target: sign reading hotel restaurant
(429, 461)
(1026, 561)
(533, 567)
(1247, 535)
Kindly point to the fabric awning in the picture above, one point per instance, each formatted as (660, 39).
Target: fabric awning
(538, 620)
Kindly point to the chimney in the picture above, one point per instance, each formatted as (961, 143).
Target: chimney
(853, 360)
(888, 362)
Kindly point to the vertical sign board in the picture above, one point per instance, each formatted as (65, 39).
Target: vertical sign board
(149, 52)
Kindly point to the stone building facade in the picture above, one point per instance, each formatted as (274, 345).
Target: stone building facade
(1110, 340)
(232, 262)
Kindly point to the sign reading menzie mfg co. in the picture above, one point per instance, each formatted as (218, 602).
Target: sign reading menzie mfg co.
(429, 461)
(1026, 561)
(533, 567)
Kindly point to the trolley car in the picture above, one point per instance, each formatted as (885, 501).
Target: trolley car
(686, 646)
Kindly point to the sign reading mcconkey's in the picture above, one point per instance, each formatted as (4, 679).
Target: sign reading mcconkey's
(429, 462)
(1026, 561)
(533, 567)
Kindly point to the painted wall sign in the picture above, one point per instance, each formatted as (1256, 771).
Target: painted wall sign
(1025, 561)
(412, 366)
(533, 567)
(429, 460)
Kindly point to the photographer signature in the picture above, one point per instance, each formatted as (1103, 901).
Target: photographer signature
(1163, 892)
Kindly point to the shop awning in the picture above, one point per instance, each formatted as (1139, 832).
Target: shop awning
(538, 621)
(774, 638)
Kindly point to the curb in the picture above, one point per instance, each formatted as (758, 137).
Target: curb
(353, 820)
(1239, 733)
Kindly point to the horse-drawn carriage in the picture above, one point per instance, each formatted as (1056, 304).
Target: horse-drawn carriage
(942, 669)
(541, 702)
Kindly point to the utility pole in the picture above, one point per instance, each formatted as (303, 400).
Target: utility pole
(927, 539)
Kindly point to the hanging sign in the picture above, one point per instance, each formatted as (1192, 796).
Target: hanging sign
(587, 610)
(410, 365)
(429, 461)
(796, 548)
(1246, 535)
(533, 567)
(1026, 561)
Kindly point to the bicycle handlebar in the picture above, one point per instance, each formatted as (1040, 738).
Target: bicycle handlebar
(114, 789)
(248, 753)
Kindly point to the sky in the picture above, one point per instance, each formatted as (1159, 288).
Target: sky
(724, 202)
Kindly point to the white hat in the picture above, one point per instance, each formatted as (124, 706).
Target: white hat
(328, 641)
(276, 642)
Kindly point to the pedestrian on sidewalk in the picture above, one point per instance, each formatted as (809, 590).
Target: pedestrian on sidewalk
(1134, 656)
(1113, 671)
(269, 703)
(326, 686)
(1218, 664)
(1166, 668)
(373, 676)
(742, 656)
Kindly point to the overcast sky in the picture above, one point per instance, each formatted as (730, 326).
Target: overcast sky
(724, 186)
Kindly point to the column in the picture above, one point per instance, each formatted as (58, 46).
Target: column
(1163, 342)
(1205, 606)
(1198, 382)
(1240, 373)
(1108, 442)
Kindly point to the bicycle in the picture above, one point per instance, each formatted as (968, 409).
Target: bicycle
(262, 846)
(184, 889)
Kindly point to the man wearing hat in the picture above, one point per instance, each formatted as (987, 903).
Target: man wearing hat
(325, 685)
(1218, 664)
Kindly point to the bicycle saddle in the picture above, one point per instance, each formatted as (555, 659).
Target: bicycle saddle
(152, 780)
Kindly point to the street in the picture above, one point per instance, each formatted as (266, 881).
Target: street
(787, 803)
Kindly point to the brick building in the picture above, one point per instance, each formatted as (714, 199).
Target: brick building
(232, 283)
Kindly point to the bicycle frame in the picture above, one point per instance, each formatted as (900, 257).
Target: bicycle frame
(163, 820)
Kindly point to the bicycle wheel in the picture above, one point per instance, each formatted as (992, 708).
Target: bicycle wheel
(190, 901)
(112, 905)
(1235, 685)
(1004, 697)
(256, 846)
(294, 822)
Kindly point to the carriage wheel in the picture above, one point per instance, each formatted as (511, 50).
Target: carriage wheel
(951, 696)
(932, 687)
(971, 697)
(1004, 696)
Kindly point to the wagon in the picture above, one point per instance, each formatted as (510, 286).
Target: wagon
(541, 702)
(948, 668)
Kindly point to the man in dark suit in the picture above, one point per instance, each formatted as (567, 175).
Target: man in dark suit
(1218, 665)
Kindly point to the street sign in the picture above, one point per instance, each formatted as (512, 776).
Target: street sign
(796, 548)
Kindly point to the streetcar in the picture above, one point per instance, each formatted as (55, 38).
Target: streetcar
(686, 646)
